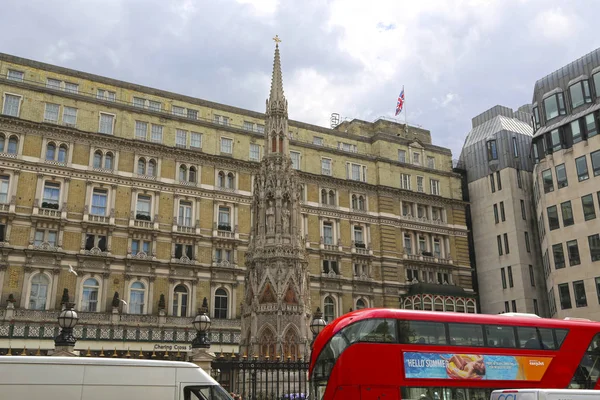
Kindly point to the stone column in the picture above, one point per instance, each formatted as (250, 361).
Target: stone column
(203, 358)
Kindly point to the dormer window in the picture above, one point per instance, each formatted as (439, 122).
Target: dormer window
(554, 106)
(580, 93)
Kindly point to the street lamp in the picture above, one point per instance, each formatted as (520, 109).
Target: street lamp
(317, 324)
(67, 319)
(201, 324)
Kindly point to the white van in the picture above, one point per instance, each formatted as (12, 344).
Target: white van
(78, 378)
(545, 394)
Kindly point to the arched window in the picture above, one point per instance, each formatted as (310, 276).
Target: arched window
(267, 344)
(324, 196)
(331, 198)
(62, 153)
(438, 304)
(13, 144)
(152, 168)
(329, 309)
(182, 173)
(449, 305)
(408, 305)
(141, 170)
(471, 307)
(98, 159)
(290, 344)
(108, 161)
(50, 151)
(39, 292)
(361, 203)
(137, 298)
(220, 304)
(2, 140)
(230, 181)
(180, 301)
(354, 202)
(427, 303)
(360, 304)
(460, 306)
(192, 177)
(89, 300)
(221, 179)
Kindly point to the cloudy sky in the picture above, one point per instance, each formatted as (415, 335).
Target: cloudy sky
(455, 58)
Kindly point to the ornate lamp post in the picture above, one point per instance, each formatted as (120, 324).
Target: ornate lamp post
(201, 324)
(317, 324)
(67, 319)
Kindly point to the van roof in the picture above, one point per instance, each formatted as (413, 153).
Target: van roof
(94, 361)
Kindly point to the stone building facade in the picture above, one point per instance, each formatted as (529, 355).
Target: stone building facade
(149, 194)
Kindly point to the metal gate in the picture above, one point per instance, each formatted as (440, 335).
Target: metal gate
(262, 379)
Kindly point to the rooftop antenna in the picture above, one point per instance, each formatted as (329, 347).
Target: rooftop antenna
(334, 120)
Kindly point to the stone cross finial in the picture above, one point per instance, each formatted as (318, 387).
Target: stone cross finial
(276, 39)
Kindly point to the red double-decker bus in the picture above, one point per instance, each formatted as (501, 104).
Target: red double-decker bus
(393, 354)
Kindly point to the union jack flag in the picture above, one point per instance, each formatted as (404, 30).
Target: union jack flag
(400, 103)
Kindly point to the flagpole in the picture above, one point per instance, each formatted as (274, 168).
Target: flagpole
(405, 118)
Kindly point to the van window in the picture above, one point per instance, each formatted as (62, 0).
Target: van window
(211, 392)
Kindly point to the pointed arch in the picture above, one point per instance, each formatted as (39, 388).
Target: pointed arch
(291, 341)
(268, 294)
(290, 295)
(267, 341)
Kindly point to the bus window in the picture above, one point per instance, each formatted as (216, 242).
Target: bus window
(535, 338)
(547, 338)
(560, 334)
(422, 332)
(466, 334)
(500, 336)
(372, 330)
(588, 371)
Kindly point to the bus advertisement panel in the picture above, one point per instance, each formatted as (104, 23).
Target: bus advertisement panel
(406, 354)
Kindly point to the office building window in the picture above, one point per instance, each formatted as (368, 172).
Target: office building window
(561, 176)
(554, 106)
(492, 150)
(535, 307)
(499, 240)
(573, 253)
(499, 180)
(595, 157)
(527, 245)
(553, 218)
(551, 302)
(589, 210)
(510, 277)
(492, 183)
(506, 248)
(523, 212)
(496, 213)
(503, 278)
(506, 306)
(515, 147)
(580, 93)
(559, 256)
(531, 275)
(502, 213)
(582, 169)
(519, 179)
(567, 213)
(565, 296)
(594, 244)
(514, 305)
(590, 125)
(547, 180)
(579, 293)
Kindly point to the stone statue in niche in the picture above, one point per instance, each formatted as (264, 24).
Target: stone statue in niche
(270, 216)
(285, 218)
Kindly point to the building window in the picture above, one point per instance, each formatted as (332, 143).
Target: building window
(515, 147)
(223, 255)
(535, 307)
(254, 152)
(551, 302)
(527, 244)
(594, 243)
(492, 151)
(358, 202)
(226, 145)
(561, 176)
(226, 180)
(356, 172)
(45, 236)
(496, 213)
(420, 187)
(499, 240)
(53, 155)
(405, 181)
(567, 213)
(547, 180)
(416, 158)
(519, 179)
(360, 304)
(221, 120)
(556, 144)
(502, 213)
(523, 212)
(12, 104)
(51, 112)
(146, 169)
(328, 197)
(326, 166)
(137, 298)
(582, 169)
(220, 304)
(359, 240)
(503, 278)
(506, 248)
(51, 196)
(140, 246)
(4, 183)
(589, 211)
(580, 93)
(38, 293)
(295, 156)
(224, 223)
(595, 157)
(327, 233)
(573, 253)
(195, 140)
(99, 200)
(89, 299)
(590, 125)
(576, 131)
(185, 213)
(15, 75)
(329, 309)
(430, 162)
(179, 111)
(106, 95)
(506, 306)
(180, 138)
(95, 241)
(107, 122)
(435, 187)
(553, 218)
(531, 275)
(156, 133)
(514, 305)
(554, 106)
(69, 116)
(510, 277)
(492, 183)
(597, 280)
(330, 266)
(182, 250)
(141, 130)
(143, 207)
(559, 256)
(579, 292)
(402, 156)
(499, 180)
(407, 244)
(565, 296)
(318, 141)
(180, 301)
(71, 87)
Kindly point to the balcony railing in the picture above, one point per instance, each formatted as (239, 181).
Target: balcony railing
(431, 259)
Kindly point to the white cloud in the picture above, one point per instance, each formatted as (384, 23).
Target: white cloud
(556, 25)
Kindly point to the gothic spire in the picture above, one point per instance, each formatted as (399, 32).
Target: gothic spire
(276, 101)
